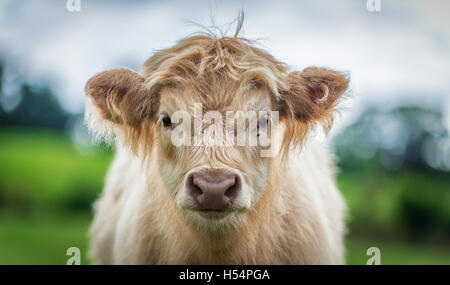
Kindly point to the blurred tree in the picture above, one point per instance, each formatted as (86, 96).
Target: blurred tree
(38, 108)
(398, 161)
(412, 137)
(1, 78)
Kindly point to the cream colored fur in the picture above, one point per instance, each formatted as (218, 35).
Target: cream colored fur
(137, 224)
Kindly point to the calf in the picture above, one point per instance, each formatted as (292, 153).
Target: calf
(173, 197)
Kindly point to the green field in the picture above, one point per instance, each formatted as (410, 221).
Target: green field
(47, 186)
(44, 168)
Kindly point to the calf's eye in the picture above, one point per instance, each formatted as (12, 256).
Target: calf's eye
(167, 122)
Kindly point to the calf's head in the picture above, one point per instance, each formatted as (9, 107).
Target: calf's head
(199, 111)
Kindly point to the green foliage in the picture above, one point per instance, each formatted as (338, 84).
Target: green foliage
(395, 252)
(424, 205)
(38, 108)
(405, 204)
(44, 168)
(405, 137)
(394, 173)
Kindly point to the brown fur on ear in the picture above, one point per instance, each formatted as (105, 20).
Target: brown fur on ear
(311, 96)
(313, 93)
(113, 92)
(121, 98)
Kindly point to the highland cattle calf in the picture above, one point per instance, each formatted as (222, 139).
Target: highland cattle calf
(192, 181)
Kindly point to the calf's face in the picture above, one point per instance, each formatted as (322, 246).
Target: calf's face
(216, 116)
(214, 171)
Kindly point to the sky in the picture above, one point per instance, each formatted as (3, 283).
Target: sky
(396, 55)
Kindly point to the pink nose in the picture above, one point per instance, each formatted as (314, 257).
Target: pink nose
(213, 190)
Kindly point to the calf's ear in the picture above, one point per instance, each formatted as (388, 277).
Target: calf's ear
(312, 94)
(116, 93)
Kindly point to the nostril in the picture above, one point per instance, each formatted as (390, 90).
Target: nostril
(232, 192)
(193, 189)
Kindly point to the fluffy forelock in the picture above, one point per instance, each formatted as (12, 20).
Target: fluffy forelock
(203, 55)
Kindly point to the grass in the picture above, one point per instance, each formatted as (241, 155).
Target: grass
(47, 186)
(393, 253)
(44, 167)
(42, 238)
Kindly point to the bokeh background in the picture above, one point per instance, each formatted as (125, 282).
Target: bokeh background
(391, 138)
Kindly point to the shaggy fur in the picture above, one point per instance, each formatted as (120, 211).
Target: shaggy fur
(289, 212)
